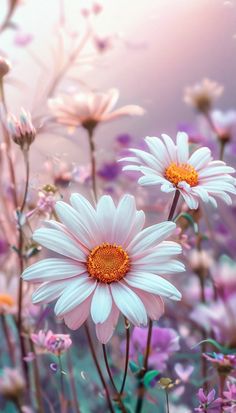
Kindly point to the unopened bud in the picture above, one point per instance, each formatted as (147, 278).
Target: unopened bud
(21, 130)
(4, 67)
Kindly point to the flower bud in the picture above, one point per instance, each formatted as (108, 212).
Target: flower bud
(21, 130)
(4, 67)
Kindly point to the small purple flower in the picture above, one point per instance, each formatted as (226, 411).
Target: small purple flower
(164, 342)
(124, 139)
(110, 171)
(208, 403)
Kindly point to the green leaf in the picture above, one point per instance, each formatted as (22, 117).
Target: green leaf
(190, 219)
(214, 343)
(134, 367)
(149, 376)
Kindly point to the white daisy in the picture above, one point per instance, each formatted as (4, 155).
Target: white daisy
(170, 165)
(109, 264)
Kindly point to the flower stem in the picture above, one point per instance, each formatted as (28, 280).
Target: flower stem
(117, 394)
(21, 259)
(72, 382)
(127, 329)
(93, 161)
(173, 206)
(90, 342)
(222, 150)
(62, 386)
(37, 380)
(7, 334)
(167, 402)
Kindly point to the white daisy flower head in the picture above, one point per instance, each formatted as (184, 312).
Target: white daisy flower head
(196, 176)
(108, 264)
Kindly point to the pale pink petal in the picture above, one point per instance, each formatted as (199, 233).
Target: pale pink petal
(129, 110)
(76, 317)
(105, 330)
(153, 303)
(49, 291)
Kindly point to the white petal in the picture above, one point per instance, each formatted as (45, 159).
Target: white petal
(129, 303)
(124, 218)
(101, 303)
(52, 269)
(182, 147)
(81, 288)
(200, 158)
(151, 236)
(49, 291)
(153, 284)
(74, 222)
(59, 242)
(150, 180)
(87, 213)
(160, 268)
(106, 214)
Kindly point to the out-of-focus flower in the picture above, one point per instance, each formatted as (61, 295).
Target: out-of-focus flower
(109, 264)
(223, 363)
(8, 294)
(166, 383)
(182, 238)
(4, 67)
(47, 198)
(109, 171)
(230, 398)
(164, 343)
(124, 139)
(196, 177)
(90, 109)
(12, 383)
(102, 43)
(208, 402)
(202, 95)
(184, 373)
(51, 342)
(223, 273)
(220, 317)
(21, 130)
(200, 261)
(224, 124)
(23, 39)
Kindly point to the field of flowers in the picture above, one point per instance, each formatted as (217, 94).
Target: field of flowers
(117, 238)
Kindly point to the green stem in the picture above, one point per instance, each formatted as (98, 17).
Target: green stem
(90, 342)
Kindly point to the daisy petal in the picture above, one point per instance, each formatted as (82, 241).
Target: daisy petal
(101, 303)
(129, 303)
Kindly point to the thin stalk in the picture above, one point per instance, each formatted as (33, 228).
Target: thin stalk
(117, 394)
(18, 405)
(72, 383)
(93, 161)
(173, 206)
(167, 402)
(90, 342)
(127, 329)
(37, 380)
(62, 385)
(7, 334)
(21, 260)
(222, 149)
(141, 387)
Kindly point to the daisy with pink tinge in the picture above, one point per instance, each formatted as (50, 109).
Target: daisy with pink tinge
(89, 109)
(108, 264)
(196, 176)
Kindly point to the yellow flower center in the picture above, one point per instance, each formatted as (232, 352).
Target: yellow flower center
(176, 173)
(6, 299)
(108, 263)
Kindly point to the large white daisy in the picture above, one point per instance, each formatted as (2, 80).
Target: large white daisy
(170, 165)
(109, 264)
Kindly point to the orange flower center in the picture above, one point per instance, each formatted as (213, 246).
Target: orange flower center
(7, 300)
(108, 263)
(176, 173)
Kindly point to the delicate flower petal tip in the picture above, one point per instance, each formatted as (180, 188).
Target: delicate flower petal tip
(108, 264)
(197, 177)
(89, 109)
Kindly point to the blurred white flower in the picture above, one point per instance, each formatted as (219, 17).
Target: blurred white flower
(202, 95)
